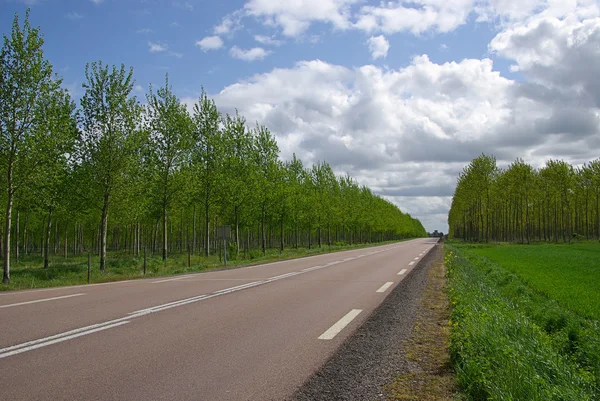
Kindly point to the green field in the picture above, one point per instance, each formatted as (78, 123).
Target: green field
(525, 321)
(569, 274)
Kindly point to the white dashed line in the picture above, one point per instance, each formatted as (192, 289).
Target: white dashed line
(340, 325)
(385, 286)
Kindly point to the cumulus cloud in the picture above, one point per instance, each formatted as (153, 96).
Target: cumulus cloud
(256, 53)
(210, 43)
(229, 24)
(157, 47)
(408, 132)
(295, 17)
(268, 40)
(378, 46)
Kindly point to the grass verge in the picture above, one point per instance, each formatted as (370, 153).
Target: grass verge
(29, 273)
(510, 341)
(430, 376)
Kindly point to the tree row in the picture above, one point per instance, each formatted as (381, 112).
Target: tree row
(522, 204)
(117, 175)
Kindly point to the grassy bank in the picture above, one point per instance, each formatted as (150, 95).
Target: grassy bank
(515, 334)
(29, 272)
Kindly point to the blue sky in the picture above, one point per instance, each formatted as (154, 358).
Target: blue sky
(400, 94)
(81, 31)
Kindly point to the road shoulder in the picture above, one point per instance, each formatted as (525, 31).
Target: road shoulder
(388, 357)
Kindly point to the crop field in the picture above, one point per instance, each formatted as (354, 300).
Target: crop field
(525, 321)
(569, 274)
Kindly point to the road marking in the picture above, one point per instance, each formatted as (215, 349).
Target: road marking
(40, 300)
(340, 325)
(312, 268)
(281, 276)
(416, 258)
(169, 304)
(402, 272)
(171, 279)
(411, 263)
(347, 259)
(385, 286)
(44, 343)
(239, 287)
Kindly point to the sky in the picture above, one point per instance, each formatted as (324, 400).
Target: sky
(401, 95)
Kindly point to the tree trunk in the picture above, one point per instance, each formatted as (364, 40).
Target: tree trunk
(104, 231)
(164, 250)
(17, 238)
(194, 232)
(281, 244)
(9, 205)
(47, 242)
(237, 231)
(264, 239)
(207, 229)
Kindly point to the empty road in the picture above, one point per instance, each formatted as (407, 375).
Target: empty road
(253, 333)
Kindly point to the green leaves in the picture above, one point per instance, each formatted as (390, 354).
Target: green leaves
(523, 204)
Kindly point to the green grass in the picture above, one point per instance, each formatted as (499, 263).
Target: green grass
(511, 340)
(29, 272)
(569, 274)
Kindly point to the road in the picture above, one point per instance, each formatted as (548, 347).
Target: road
(253, 333)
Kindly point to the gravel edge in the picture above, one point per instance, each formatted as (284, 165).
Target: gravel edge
(369, 359)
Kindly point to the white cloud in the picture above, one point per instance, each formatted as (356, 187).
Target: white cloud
(407, 133)
(378, 46)
(97, 2)
(256, 53)
(415, 17)
(210, 43)
(229, 24)
(144, 31)
(294, 17)
(157, 47)
(74, 15)
(268, 40)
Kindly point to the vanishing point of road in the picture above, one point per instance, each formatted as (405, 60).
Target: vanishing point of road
(253, 333)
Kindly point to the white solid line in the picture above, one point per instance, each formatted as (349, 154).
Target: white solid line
(40, 300)
(281, 276)
(239, 287)
(170, 279)
(402, 272)
(385, 286)
(60, 335)
(174, 303)
(411, 263)
(61, 339)
(339, 326)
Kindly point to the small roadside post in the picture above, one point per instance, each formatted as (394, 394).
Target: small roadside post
(223, 232)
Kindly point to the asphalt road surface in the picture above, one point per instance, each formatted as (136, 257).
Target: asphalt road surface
(253, 333)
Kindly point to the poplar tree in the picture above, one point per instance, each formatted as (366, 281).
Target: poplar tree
(111, 116)
(26, 81)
